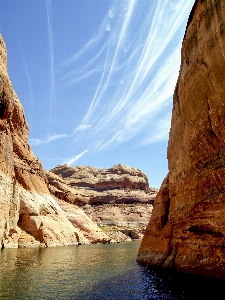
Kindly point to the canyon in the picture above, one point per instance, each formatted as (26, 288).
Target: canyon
(64, 206)
(186, 231)
(81, 205)
(29, 216)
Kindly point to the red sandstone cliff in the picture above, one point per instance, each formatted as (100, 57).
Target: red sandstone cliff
(187, 227)
(29, 216)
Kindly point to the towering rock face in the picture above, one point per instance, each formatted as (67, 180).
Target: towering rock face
(29, 216)
(187, 227)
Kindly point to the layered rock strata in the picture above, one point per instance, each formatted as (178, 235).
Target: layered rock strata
(118, 199)
(130, 219)
(89, 185)
(187, 227)
(79, 219)
(29, 216)
(119, 176)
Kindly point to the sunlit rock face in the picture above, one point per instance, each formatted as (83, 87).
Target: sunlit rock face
(29, 216)
(89, 185)
(118, 199)
(118, 176)
(80, 219)
(187, 227)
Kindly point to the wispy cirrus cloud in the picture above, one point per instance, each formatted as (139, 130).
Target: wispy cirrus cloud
(135, 62)
(48, 139)
(160, 132)
(95, 41)
(72, 160)
(82, 127)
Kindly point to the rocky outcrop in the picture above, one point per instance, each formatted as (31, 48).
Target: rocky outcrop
(89, 185)
(130, 219)
(117, 236)
(119, 214)
(187, 227)
(29, 216)
(119, 176)
(79, 219)
(117, 199)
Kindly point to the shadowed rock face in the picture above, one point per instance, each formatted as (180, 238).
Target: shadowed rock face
(187, 227)
(29, 216)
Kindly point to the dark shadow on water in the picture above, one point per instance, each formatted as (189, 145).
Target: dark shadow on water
(144, 283)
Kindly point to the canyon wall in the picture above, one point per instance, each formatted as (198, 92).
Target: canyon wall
(29, 216)
(187, 227)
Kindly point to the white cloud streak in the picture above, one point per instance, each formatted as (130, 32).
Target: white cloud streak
(82, 127)
(159, 133)
(136, 58)
(48, 139)
(78, 156)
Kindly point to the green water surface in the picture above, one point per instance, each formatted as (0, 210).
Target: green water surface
(62, 272)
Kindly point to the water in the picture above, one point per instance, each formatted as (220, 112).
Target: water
(94, 272)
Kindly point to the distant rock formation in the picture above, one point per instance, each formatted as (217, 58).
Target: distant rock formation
(187, 227)
(89, 185)
(118, 199)
(29, 216)
(130, 219)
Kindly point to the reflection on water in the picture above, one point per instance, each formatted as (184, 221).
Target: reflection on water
(94, 272)
(62, 272)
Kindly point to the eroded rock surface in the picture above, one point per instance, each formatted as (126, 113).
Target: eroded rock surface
(130, 219)
(79, 219)
(187, 227)
(89, 185)
(119, 176)
(118, 199)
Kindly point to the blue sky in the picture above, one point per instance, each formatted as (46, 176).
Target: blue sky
(96, 78)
